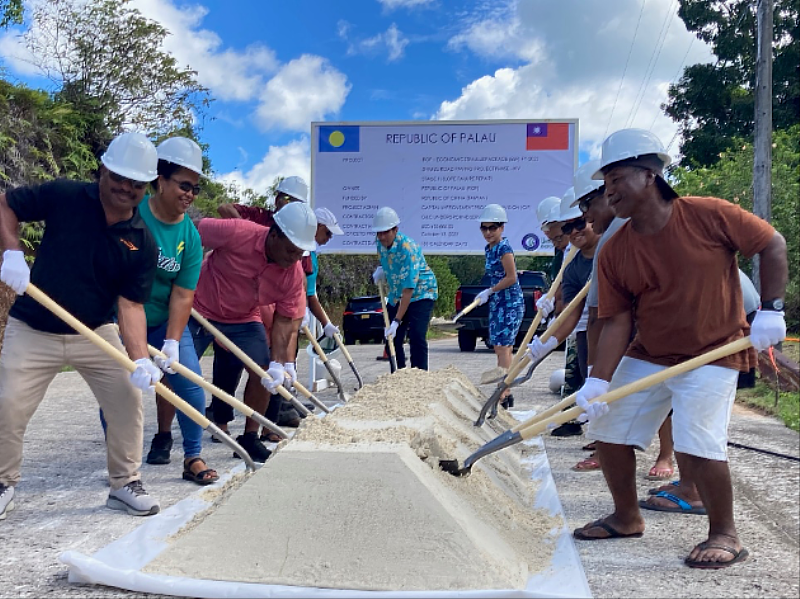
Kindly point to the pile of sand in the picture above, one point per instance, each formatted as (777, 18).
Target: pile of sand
(356, 501)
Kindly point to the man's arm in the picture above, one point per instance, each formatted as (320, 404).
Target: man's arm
(614, 340)
(133, 326)
(405, 301)
(228, 211)
(593, 331)
(9, 226)
(316, 309)
(774, 268)
(284, 338)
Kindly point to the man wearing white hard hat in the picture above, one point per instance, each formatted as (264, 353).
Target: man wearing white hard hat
(547, 214)
(253, 266)
(672, 269)
(96, 256)
(412, 287)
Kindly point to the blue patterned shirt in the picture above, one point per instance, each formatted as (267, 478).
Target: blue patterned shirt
(405, 268)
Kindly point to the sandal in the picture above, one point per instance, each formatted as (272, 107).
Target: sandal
(270, 437)
(204, 477)
(588, 465)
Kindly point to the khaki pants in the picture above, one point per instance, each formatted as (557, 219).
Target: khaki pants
(31, 359)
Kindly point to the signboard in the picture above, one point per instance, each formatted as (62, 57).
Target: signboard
(438, 176)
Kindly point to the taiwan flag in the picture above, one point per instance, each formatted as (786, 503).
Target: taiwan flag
(339, 139)
(547, 136)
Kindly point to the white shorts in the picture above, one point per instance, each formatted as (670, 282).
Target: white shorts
(701, 400)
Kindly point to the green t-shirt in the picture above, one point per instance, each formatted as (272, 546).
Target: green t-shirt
(180, 255)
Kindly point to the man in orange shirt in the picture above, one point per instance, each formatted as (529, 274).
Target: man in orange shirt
(673, 268)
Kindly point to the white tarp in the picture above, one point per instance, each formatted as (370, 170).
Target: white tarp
(438, 176)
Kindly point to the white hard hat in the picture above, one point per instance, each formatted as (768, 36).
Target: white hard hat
(183, 152)
(557, 378)
(385, 219)
(630, 143)
(327, 218)
(295, 187)
(299, 224)
(494, 213)
(554, 216)
(545, 208)
(568, 210)
(133, 156)
(582, 182)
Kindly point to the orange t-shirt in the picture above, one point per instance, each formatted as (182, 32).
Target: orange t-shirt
(682, 283)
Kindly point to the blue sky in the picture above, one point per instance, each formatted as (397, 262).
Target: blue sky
(273, 67)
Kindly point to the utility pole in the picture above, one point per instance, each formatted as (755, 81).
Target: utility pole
(762, 142)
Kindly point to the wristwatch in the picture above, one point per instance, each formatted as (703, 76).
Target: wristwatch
(398, 321)
(775, 305)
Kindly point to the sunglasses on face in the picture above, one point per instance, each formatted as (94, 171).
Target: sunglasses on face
(490, 228)
(187, 187)
(120, 179)
(574, 225)
(586, 202)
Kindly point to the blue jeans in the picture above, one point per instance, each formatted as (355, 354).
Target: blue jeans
(188, 391)
(415, 324)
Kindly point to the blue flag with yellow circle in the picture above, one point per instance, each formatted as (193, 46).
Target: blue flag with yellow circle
(339, 139)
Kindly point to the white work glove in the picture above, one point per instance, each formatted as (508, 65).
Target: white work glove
(768, 328)
(538, 350)
(546, 305)
(291, 374)
(15, 272)
(306, 319)
(378, 275)
(146, 375)
(391, 330)
(591, 389)
(483, 296)
(277, 373)
(330, 330)
(172, 351)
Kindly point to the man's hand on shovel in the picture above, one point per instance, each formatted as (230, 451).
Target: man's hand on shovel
(146, 375)
(591, 389)
(390, 331)
(171, 350)
(277, 373)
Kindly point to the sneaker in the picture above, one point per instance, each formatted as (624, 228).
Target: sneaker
(133, 499)
(568, 429)
(6, 500)
(160, 448)
(288, 416)
(251, 444)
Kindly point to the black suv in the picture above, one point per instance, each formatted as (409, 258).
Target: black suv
(363, 320)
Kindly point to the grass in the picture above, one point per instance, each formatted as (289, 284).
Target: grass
(762, 398)
(791, 349)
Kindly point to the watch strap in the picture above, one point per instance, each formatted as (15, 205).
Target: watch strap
(775, 305)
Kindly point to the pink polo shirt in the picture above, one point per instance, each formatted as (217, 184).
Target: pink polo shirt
(236, 277)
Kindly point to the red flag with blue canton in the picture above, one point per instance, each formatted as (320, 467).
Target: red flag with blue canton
(547, 136)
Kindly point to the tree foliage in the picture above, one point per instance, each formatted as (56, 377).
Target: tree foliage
(108, 58)
(714, 103)
(11, 12)
(731, 179)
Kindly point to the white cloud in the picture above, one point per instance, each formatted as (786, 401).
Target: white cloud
(392, 41)
(279, 161)
(304, 90)
(392, 4)
(14, 53)
(573, 56)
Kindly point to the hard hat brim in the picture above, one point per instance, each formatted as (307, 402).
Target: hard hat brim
(131, 174)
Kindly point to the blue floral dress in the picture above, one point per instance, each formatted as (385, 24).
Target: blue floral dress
(506, 307)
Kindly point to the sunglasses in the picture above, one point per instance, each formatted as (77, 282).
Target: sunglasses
(574, 225)
(586, 202)
(120, 179)
(491, 228)
(187, 187)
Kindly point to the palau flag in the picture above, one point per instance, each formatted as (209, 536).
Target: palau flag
(339, 139)
(547, 136)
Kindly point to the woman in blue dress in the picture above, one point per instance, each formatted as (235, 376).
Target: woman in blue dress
(506, 305)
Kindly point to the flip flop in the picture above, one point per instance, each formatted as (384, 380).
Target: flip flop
(660, 473)
(590, 464)
(681, 506)
(656, 490)
(590, 446)
(613, 533)
(738, 556)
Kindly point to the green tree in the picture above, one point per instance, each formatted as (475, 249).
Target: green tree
(108, 58)
(11, 12)
(448, 285)
(731, 179)
(714, 103)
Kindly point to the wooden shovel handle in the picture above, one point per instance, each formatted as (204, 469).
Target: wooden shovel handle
(474, 304)
(319, 351)
(549, 295)
(389, 340)
(121, 358)
(531, 427)
(338, 339)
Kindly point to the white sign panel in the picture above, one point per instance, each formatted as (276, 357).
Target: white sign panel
(439, 176)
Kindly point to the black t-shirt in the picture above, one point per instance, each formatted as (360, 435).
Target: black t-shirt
(82, 263)
(576, 275)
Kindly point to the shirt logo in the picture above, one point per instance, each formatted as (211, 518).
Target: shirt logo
(168, 263)
(181, 247)
(128, 244)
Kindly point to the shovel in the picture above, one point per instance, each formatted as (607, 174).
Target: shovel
(495, 376)
(537, 425)
(452, 325)
(347, 355)
(248, 361)
(389, 340)
(324, 359)
(511, 378)
(124, 361)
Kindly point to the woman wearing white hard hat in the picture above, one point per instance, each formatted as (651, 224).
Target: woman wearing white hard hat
(412, 287)
(327, 227)
(672, 269)
(506, 304)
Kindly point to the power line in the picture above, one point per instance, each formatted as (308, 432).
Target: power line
(625, 70)
(675, 78)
